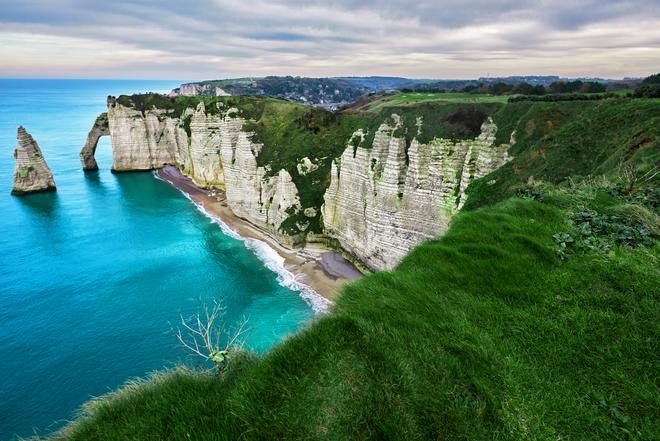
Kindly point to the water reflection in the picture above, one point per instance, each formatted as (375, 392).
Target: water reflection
(136, 186)
(93, 180)
(43, 204)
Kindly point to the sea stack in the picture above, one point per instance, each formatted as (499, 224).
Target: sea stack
(31, 173)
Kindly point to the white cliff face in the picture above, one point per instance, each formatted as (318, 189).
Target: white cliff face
(31, 173)
(218, 154)
(141, 142)
(379, 205)
(380, 202)
(99, 129)
(202, 154)
(252, 193)
(193, 89)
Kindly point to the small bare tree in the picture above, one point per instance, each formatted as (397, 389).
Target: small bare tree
(204, 332)
(632, 180)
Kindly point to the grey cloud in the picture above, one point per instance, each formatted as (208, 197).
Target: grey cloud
(307, 36)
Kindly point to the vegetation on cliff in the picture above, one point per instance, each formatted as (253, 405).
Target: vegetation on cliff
(558, 141)
(485, 333)
(545, 132)
(534, 317)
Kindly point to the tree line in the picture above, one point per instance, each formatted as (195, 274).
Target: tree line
(556, 87)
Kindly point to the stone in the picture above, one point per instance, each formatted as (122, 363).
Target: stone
(381, 201)
(31, 173)
(141, 141)
(217, 154)
(306, 166)
(379, 206)
(88, 151)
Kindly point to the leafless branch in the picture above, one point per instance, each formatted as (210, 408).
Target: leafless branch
(203, 333)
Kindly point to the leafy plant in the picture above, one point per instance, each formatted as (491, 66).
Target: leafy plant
(592, 231)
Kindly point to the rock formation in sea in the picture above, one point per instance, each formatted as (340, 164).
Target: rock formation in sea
(216, 154)
(99, 129)
(31, 173)
(380, 202)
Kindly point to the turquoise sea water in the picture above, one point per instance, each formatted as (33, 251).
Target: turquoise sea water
(94, 276)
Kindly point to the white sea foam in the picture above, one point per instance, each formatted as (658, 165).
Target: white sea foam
(271, 259)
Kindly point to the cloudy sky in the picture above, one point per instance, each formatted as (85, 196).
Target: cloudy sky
(204, 39)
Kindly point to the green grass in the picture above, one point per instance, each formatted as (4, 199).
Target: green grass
(412, 98)
(483, 334)
(559, 140)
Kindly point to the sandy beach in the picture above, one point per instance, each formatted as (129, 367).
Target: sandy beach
(321, 269)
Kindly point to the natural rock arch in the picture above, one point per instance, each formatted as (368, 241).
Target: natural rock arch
(101, 128)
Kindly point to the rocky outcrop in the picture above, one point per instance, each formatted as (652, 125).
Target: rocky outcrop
(211, 147)
(221, 154)
(88, 151)
(141, 140)
(306, 166)
(31, 173)
(194, 89)
(383, 201)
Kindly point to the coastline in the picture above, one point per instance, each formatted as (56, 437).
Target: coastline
(316, 272)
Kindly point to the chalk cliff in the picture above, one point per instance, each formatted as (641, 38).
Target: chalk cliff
(141, 140)
(217, 153)
(31, 173)
(194, 89)
(99, 129)
(383, 201)
(221, 154)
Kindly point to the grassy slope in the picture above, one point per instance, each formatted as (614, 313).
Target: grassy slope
(483, 334)
(412, 98)
(578, 138)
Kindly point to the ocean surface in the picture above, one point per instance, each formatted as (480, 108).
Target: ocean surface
(94, 277)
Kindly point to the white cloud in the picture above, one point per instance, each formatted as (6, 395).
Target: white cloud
(212, 39)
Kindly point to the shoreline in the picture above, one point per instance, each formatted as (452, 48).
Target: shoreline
(314, 271)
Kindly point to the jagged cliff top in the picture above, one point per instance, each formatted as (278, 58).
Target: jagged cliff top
(322, 136)
(27, 142)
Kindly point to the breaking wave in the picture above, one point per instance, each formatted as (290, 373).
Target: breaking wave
(270, 257)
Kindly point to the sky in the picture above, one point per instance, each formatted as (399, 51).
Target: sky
(209, 39)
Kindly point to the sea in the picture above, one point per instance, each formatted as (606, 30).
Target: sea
(95, 277)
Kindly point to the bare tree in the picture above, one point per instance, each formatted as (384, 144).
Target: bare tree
(204, 332)
(631, 180)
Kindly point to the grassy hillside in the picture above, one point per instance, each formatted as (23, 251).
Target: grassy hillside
(485, 333)
(556, 141)
(535, 317)
(412, 98)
